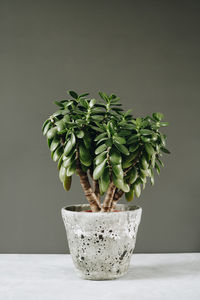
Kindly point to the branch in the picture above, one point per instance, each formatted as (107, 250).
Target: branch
(107, 203)
(118, 194)
(90, 195)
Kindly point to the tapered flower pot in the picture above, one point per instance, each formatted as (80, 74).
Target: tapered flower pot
(101, 244)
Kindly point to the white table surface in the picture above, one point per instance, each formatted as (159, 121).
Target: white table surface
(52, 277)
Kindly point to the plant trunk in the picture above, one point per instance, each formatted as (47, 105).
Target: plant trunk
(116, 198)
(89, 194)
(107, 203)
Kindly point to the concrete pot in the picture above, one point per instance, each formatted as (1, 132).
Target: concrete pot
(101, 244)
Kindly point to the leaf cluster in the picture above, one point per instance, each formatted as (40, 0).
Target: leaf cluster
(107, 141)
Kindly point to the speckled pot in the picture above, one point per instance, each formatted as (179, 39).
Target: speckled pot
(101, 244)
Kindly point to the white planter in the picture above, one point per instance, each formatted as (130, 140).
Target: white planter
(101, 244)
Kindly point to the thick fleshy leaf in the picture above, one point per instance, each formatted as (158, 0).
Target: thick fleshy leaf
(80, 134)
(128, 160)
(130, 195)
(133, 175)
(100, 136)
(144, 162)
(133, 147)
(100, 149)
(60, 125)
(137, 188)
(98, 171)
(121, 148)
(51, 133)
(165, 150)
(157, 168)
(132, 139)
(118, 171)
(105, 180)
(149, 149)
(71, 169)
(67, 183)
(115, 157)
(58, 152)
(62, 174)
(119, 140)
(146, 132)
(99, 158)
(73, 94)
(85, 156)
(70, 144)
(158, 116)
(54, 144)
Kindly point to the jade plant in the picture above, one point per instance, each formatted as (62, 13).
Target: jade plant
(111, 151)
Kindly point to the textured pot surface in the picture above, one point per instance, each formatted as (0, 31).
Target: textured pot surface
(101, 244)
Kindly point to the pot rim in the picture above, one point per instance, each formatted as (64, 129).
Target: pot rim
(128, 208)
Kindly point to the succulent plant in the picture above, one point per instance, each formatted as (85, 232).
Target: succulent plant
(98, 139)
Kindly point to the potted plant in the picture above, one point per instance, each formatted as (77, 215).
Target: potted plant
(113, 153)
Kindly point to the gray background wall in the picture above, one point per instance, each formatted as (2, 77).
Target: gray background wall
(147, 52)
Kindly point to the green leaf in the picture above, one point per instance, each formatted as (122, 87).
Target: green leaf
(45, 123)
(51, 133)
(165, 150)
(160, 162)
(137, 188)
(121, 148)
(84, 95)
(130, 195)
(46, 127)
(149, 149)
(67, 183)
(92, 103)
(133, 147)
(99, 158)
(70, 159)
(85, 156)
(152, 177)
(57, 153)
(58, 103)
(120, 184)
(144, 162)
(60, 162)
(71, 169)
(100, 136)
(146, 132)
(60, 125)
(70, 145)
(127, 162)
(145, 139)
(98, 171)
(118, 171)
(133, 175)
(115, 157)
(164, 124)
(87, 141)
(100, 149)
(157, 168)
(80, 134)
(158, 116)
(62, 174)
(73, 94)
(132, 139)
(54, 144)
(119, 140)
(105, 180)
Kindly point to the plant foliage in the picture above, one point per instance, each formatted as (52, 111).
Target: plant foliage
(106, 142)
